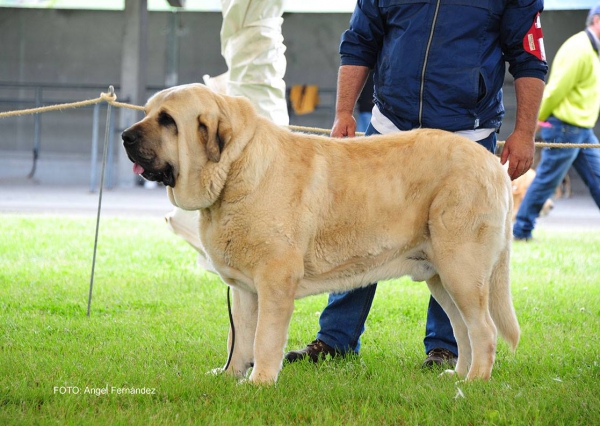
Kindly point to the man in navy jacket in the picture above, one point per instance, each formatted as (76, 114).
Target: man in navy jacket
(436, 64)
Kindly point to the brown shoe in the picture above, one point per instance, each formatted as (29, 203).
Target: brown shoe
(439, 357)
(316, 351)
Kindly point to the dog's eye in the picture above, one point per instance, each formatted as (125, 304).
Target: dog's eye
(165, 119)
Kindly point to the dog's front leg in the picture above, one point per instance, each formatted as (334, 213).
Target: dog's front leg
(275, 312)
(276, 286)
(244, 312)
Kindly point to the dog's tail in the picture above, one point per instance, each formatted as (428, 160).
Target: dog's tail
(501, 306)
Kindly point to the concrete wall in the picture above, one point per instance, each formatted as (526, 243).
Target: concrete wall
(84, 48)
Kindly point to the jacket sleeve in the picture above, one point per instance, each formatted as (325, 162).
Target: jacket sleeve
(568, 64)
(517, 25)
(361, 42)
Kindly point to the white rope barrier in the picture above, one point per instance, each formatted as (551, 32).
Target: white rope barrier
(111, 99)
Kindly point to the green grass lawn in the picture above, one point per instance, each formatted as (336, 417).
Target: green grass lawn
(159, 324)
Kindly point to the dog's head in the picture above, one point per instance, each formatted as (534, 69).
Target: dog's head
(186, 142)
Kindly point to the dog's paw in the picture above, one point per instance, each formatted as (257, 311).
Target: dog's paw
(262, 379)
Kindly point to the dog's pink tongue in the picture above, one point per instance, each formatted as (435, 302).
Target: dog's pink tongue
(137, 169)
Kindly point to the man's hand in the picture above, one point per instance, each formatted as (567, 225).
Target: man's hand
(520, 145)
(351, 80)
(518, 150)
(344, 125)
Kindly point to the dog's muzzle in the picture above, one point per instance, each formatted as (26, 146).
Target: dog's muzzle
(143, 166)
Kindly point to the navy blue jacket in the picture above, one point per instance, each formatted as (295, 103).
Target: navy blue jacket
(441, 63)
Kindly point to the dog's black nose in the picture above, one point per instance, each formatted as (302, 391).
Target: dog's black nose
(130, 137)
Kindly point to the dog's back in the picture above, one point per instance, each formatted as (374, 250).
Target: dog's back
(388, 197)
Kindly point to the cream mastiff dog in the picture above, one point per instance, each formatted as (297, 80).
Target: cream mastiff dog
(285, 215)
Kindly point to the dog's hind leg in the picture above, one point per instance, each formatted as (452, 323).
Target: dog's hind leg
(465, 276)
(482, 333)
(244, 312)
(458, 325)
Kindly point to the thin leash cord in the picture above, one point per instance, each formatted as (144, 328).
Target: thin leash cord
(104, 155)
(232, 329)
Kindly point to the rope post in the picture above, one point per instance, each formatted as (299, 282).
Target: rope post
(111, 91)
(110, 178)
(94, 160)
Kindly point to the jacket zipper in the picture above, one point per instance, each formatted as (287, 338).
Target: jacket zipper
(422, 89)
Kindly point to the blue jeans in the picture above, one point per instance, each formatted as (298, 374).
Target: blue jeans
(553, 166)
(363, 120)
(343, 320)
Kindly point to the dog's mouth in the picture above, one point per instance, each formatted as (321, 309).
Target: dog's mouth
(166, 176)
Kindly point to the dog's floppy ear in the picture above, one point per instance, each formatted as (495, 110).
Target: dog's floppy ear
(208, 128)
